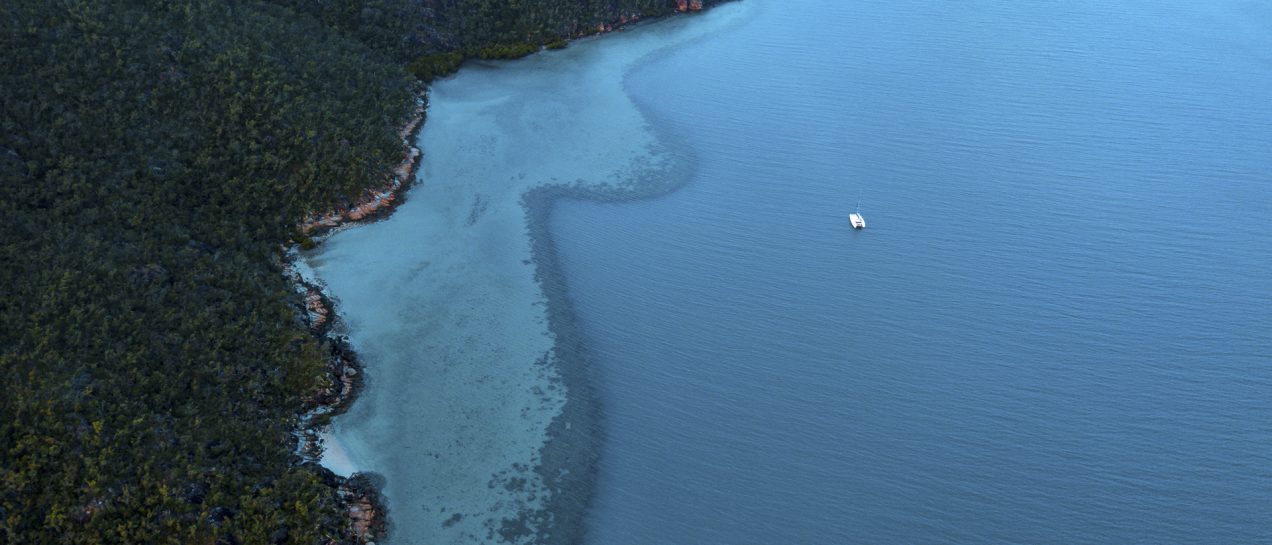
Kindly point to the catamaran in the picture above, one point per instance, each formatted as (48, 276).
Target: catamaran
(855, 218)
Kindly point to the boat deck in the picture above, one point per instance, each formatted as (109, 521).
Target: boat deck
(857, 221)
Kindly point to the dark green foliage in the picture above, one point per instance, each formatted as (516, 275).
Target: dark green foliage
(434, 36)
(429, 67)
(477, 25)
(506, 51)
(498, 29)
(401, 29)
(153, 156)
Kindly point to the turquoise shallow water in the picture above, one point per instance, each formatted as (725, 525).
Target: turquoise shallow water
(1056, 329)
(478, 408)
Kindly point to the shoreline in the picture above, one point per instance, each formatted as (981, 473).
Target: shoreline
(359, 491)
(568, 457)
(377, 202)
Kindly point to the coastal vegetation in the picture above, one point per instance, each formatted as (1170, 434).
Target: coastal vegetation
(155, 158)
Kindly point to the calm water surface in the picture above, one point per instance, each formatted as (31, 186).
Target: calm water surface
(1056, 329)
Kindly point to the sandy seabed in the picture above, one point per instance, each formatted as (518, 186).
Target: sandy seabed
(477, 408)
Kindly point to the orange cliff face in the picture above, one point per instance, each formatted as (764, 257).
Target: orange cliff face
(317, 308)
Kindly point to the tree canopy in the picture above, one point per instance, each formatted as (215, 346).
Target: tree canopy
(154, 158)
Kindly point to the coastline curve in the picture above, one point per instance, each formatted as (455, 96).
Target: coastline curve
(478, 407)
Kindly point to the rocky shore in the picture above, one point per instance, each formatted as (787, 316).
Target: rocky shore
(375, 202)
(360, 492)
(688, 5)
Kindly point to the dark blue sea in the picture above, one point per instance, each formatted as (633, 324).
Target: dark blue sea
(1056, 328)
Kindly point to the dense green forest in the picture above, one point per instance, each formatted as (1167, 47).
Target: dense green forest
(155, 156)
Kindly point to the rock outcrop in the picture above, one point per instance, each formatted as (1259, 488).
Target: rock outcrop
(367, 512)
(377, 201)
(359, 493)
